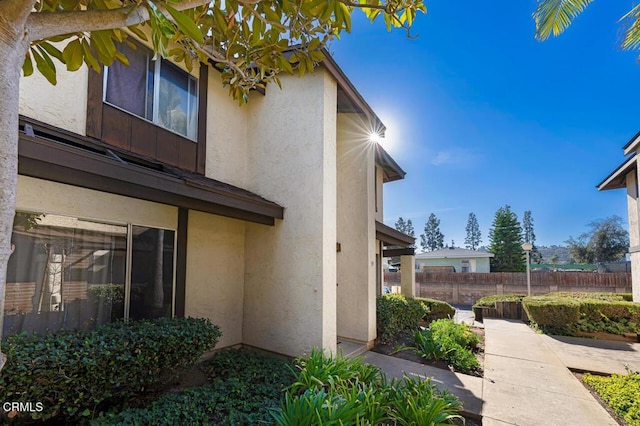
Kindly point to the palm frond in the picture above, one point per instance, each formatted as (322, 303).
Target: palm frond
(554, 16)
(631, 29)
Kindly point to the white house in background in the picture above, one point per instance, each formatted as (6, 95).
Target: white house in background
(135, 203)
(626, 176)
(462, 260)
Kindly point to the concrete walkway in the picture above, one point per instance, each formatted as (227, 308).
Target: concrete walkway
(527, 379)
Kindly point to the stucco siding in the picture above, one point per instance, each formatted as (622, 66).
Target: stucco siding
(379, 175)
(50, 197)
(356, 232)
(475, 265)
(633, 210)
(290, 278)
(215, 273)
(226, 135)
(63, 105)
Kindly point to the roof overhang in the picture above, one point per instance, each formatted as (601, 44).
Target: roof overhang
(349, 99)
(618, 178)
(632, 145)
(391, 170)
(49, 153)
(392, 237)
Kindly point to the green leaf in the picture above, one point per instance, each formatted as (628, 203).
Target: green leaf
(135, 29)
(186, 25)
(89, 58)
(52, 50)
(44, 66)
(73, 55)
(27, 67)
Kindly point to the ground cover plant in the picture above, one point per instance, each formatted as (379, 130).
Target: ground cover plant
(576, 313)
(454, 343)
(620, 392)
(75, 374)
(244, 386)
(344, 391)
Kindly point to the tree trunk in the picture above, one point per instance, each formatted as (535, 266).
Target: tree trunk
(12, 53)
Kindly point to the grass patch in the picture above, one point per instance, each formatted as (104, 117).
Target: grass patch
(620, 392)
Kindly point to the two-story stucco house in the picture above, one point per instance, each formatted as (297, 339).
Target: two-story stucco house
(146, 191)
(626, 176)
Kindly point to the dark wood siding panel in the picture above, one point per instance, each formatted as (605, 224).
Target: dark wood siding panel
(202, 119)
(94, 105)
(187, 153)
(116, 127)
(144, 136)
(167, 147)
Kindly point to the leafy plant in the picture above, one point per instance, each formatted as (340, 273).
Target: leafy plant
(397, 314)
(245, 386)
(448, 341)
(552, 313)
(620, 392)
(490, 301)
(77, 373)
(437, 309)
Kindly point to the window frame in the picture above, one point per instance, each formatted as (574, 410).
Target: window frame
(157, 65)
(129, 253)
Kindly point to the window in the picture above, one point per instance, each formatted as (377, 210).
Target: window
(67, 272)
(155, 90)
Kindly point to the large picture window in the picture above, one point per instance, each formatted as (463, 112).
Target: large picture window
(155, 90)
(67, 272)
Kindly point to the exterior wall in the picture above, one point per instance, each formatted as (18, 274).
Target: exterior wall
(51, 197)
(215, 273)
(634, 231)
(290, 275)
(379, 194)
(475, 265)
(356, 232)
(63, 105)
(226, 135)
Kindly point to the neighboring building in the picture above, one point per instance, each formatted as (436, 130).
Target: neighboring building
(626, 176)
(461, 260)
(147, 191)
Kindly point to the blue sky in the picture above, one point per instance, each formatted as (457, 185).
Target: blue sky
(480, 114)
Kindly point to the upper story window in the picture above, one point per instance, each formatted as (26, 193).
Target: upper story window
(155, 90)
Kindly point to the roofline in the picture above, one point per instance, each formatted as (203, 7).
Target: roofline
(483, 255)
(612, 181)
(350, 90)
(632, 144)
(392, 171)
(392, 236)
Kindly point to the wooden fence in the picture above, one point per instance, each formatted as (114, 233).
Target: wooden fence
(466, 288)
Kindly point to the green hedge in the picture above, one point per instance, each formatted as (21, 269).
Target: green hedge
(490, 301)
(554, 313)
(569, 313)
(437, 309)
(77, 373)
(396, 314)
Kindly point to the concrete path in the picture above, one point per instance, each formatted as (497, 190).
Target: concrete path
(526, 378)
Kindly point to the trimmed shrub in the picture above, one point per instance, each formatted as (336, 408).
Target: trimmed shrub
(77, 373)
(437, 309)
(621, 393)
(490, 301)
(397, 314)
(245, 386)
(555, 314)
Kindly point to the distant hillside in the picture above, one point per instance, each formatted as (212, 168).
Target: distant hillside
(548, 252)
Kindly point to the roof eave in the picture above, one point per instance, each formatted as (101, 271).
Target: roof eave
(632, 145)
(617, 178)
(392, 171)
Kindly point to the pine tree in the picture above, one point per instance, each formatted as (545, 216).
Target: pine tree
(401, 225)
(530, 237)
(505, 242)
(432, 239)
(474, 238)
(406, 228)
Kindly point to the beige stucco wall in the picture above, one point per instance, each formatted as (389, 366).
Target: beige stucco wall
(379, 194)
(50, 197)
(290, 273)
(226, 134)
(215, 273)
(356, 232)
(63, 105)
(634, 231)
